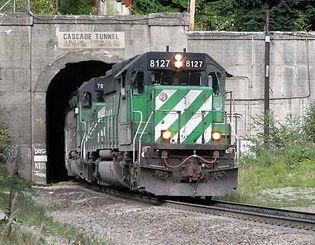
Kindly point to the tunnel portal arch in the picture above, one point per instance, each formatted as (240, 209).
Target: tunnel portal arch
(63, 78)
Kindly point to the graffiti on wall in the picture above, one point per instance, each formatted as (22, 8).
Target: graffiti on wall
(40, 160)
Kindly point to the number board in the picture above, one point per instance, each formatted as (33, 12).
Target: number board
(190, 61)
(98, 86)
(194, 64)
(160, 63)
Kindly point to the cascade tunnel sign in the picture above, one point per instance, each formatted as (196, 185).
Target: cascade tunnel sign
(76, 40)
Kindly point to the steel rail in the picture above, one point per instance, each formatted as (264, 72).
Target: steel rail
(267, 210)
(273, 216)
(124, 194)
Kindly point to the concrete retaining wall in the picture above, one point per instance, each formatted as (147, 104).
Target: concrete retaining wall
(292, 70)
(31, 57)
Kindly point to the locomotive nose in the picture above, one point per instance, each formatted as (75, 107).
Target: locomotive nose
(182, 111)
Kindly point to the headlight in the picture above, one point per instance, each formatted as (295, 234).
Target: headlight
(178, 57)
(166, 134)
(178, 61)
(178, 64)
(215, 136)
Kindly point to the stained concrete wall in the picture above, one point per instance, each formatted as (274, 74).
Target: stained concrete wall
(15, 80)
(292, 70)
(31, 57)
(32, 54)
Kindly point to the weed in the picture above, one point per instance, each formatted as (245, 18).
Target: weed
(6, 140)
(309, 123)
(28, 222)
(284, 158)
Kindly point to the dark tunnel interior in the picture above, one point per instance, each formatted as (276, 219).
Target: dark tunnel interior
(62, 86)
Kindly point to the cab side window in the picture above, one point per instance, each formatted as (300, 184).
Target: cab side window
(87, 100)
(214, 81)
(100, 97)
(137, 83)
(195, 78)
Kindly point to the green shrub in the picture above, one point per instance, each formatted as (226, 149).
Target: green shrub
(309, 123)
(6, 140)
(292, 141)
(80, 7)
(24, 210)
(17, 183)
(283, 158)
(281, 134)
(294, 154)
(43, 7)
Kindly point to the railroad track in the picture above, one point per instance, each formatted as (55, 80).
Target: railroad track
(265, 215)
(273, 216)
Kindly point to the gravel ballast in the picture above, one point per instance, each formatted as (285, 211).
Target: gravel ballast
(130, 222)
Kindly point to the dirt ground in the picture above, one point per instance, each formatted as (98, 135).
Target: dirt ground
(292, 195)
(129, 222)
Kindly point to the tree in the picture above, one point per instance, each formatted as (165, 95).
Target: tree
(215, 15)
(79, 7)
(211, 15)
(239, 15)
(243, 15)
(294, 15)
(141, 7)
(43, 7)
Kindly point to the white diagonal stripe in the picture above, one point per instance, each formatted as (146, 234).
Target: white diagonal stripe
(196, 119)
(188, 128)
(207, 135)
(158, 102)
(172, 116)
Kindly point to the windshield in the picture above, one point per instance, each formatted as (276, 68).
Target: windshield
(176, 78)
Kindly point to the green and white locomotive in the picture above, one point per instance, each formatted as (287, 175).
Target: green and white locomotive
(154, 123)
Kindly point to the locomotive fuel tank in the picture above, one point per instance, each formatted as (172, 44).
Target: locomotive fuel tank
(112, 173)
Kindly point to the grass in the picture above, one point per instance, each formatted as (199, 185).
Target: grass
(258, 176)
(282, 160)
(29, 222)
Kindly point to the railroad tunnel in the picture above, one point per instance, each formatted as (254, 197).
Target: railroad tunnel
(60, 89)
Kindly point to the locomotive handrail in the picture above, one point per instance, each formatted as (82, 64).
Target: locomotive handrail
(82, 141)
(137, 131)
(83, 155)
(140, 137)
(134, 139)
(88, 133)
(231, 101)
(237, 142)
